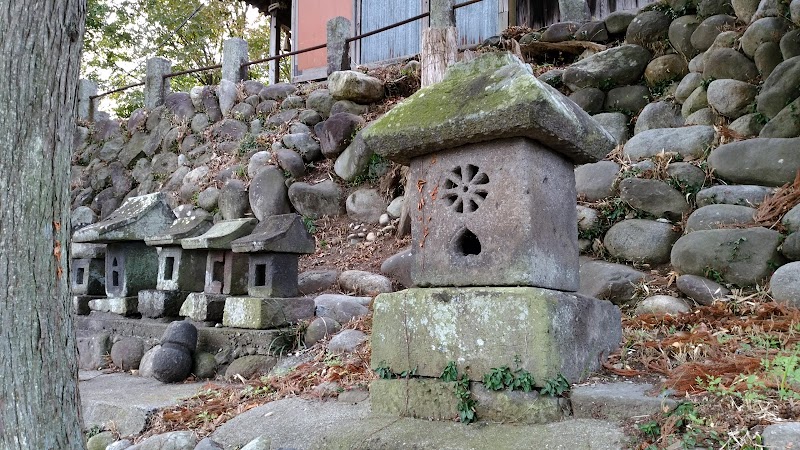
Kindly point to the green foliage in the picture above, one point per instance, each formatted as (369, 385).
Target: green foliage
(247, 144)
(122, 34)
(650, 428)
(500, 378)
(556, 386)
(450, 372)
(383, 371)
(466, 404)
(713, 274)
(311, 227)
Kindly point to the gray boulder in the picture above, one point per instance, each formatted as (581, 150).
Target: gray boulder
(595, 181)
(346, 341)
(341, 308)
(318, 200)
(689, 142)
(615, 123)
(658, 115)
(320, 101)
(700, 289)
(687, 175)
(320, 328)
(594, 31)
(762, 161)
(233, 201)
(731, 98)
(664, 69)
(687, 86)
(790, 44)
(705, 33)
(791, 247)
(560, 32)
(172, 361)
(781, 435)
(365, 205)
(715, 216)
(641, 241)
(364, 283)
(278, 91)
(590, 99)
(355, 86)
(786, 124)
(127, 353)
(662, 304)
(749, 125)
(347, 106)
(744, 9)
(780, 88)
(740, 256)
(745, 195)
(654, 197)
(312, 281)
(617, 22)
(293, 102)
(175, 440)
(680, 35)
(627, 99)
(398, 267)
(337, 133)
(703, 116)
(308, 147)
(647, 28)
(785, 284)
(290, 161)
(180, 104)
(268, 193)
(791, 220)
(695, 102)
(724, 63)
(250, 366)
(767, 29)
(609, 281)
(619, 65)
(706, 8)
(354, 160)
(794, 10)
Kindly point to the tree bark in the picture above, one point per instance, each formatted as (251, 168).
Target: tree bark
(40, 44)
(439, 50)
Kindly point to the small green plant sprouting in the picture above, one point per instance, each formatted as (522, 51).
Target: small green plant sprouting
(310, 225)
(556, 386)
(247, 144)
(498, 378)
(383, 371)
(650, 428)
(450, 372)
(713, 274)
(466, 404)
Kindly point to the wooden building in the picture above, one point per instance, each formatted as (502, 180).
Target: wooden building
(307, 21)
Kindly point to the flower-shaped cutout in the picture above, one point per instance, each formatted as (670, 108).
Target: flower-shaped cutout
(465, 188)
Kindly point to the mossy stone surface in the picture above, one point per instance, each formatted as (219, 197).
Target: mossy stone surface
(493, 96)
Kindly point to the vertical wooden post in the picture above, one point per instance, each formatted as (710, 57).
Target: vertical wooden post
(439, 42)
(274, 47)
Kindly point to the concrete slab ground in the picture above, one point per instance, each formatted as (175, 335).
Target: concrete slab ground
(126, 400)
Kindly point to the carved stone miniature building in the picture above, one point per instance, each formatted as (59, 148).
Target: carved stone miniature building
(494, 229)
(225, 272)
(130, 264)
(87, 275)
(179, 271)
(273, 249)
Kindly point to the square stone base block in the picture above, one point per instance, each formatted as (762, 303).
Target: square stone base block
(202, 307)
(156, 304)
(124, 306)
(80, 303)
(264, 313)
(542, 331)
(433, 399)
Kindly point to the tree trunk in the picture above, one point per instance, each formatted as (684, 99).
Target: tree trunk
(40, 44)
(439, 50)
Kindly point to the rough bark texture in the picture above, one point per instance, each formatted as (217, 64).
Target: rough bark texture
(40, 44)
(439, 50)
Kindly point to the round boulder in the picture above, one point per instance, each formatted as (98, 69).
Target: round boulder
(647, 28)
(785, 284)
(268, 195)
(320, 328)
(731, 98)
(700, 289)
(127, 353)
(365, 205)
(661, 305)
(641, 241)
(318, 200)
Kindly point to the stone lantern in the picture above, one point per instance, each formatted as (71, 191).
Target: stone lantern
(130, 264)
(491, 194)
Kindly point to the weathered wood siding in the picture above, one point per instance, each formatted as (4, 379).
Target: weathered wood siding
(540, 13)
(477, 22)
(395, 43)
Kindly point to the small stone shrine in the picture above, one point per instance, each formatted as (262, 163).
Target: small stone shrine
(494, 229)
(225, 272)
(130, 264)
(273, 250)
(87, 274)
(179, 271)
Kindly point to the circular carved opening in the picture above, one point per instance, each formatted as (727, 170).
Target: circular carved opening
(465, 188)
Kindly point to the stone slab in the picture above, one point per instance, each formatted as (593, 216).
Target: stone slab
(618, 401)
(124, 306)
(265, 313)
(126, 400)
(433, 399)
(221, 234)
(79, 250)
(209, 339)
(182, 228)
(138, 218)
(548, 332)
(492, 96)
(156, 304)
(202, 307)
(471, 201)
(282, 233)
(80, 303)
